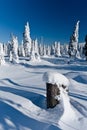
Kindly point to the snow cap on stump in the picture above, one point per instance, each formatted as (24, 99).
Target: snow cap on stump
(55, 78)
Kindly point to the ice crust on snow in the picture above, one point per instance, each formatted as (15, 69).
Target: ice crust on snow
(55, 78)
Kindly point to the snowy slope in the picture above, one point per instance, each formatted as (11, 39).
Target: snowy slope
(23, 96)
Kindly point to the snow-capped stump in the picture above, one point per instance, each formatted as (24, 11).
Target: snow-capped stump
(54, 82)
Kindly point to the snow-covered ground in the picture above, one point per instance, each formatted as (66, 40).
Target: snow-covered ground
(23, 96)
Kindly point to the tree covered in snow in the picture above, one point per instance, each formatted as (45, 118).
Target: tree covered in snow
(2, 60)
(10, 56)
(21, 51)
(44, 50)
(5, 49)
(27, 40)
(9, 48)
(52, 50)
(40, 49)
(73, 45)
(65, 49)
(36, 48)
(85, 47)
(81, 49)
(14, 51)
(32, 54)
(48, 50)
(57, 49)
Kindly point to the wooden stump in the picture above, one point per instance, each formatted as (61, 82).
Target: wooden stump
(52, 92)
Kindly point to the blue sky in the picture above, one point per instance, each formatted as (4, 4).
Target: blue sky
(53, 20)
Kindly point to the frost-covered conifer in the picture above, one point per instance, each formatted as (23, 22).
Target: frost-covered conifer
(52, 50)
(14, 44)
(27, 40)
(73, 45)
(9, 48)
(36, 46)
(21, 51)
(41, 49)
(44, 50)
(81, 49)
(10, 56)
(32, 55)
(2, 60)
(37, 55)
(5, 49)
(48, 50)
(57, 49)
(85, 47)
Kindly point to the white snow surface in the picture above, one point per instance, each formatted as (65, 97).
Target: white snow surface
(23, 95)
(55, 78)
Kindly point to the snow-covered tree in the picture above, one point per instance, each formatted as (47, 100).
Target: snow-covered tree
(78, 55)
(65, 46)
(81, 49)
(9, 48)
(14, 44)
(57, 49)
(48, 50)
(10, 56)
(36, 48)
(2, 60)
(85, 47)
(21, 51)
(32, 55)
(52, 49)
(40, 49)
(44, 50)
(27, 40)
(5, 49)
(73, 45)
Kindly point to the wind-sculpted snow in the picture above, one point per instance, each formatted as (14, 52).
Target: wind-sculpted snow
(23, 96)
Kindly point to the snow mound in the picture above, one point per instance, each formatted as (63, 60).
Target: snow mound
(55, 78)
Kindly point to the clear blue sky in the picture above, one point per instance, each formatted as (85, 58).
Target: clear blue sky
(52, 19)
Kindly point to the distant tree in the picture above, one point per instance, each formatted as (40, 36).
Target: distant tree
(14, 51)
(32, 54)
(10, 56)
(48, 50)
(73, 45)
(2, 60)
(57, 49)
(40, 49)
(5, 49)
(21, 51)
(9, 48)
(52, 49)
(36, 46)
(85, 47)
(27, 40)
(44, 50)
(65, 50)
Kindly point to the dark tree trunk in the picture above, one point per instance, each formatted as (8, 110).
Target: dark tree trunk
(52, 92)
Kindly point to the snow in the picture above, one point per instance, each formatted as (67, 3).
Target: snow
(55, 78)
(23, 95)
